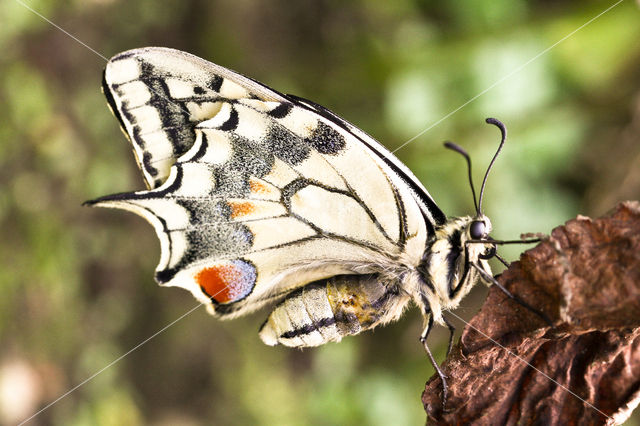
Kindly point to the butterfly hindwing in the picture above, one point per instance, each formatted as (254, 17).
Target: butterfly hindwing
(254, 193)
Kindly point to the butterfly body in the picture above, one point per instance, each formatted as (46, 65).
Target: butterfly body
(328, 310)
(259, 197)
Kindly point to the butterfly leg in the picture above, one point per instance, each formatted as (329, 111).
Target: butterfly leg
(452, 330)
(490, 279)
(443, 378)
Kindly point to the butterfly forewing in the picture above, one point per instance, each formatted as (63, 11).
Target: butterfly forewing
(160, 95)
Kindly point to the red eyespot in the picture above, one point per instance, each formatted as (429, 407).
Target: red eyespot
(228, 282)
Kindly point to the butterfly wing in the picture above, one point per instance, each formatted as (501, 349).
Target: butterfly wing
(254, 193)
(159, 95)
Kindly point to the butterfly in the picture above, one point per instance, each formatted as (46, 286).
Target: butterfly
(263, 198)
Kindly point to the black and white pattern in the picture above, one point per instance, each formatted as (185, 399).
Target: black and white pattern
(258, 196)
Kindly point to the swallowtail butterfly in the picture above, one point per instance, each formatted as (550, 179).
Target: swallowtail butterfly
(259, 197)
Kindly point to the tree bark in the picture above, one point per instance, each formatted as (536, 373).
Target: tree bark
(584, 370)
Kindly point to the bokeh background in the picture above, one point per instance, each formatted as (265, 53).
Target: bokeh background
(76, 283)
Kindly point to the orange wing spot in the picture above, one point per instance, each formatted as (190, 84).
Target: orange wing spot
(258, 187)
(241, 208)
(228, 282)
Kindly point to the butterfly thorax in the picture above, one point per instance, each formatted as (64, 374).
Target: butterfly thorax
(446, 272)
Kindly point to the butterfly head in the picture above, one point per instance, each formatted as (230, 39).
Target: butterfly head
(479, 228)
(477, 232)
(461, 247)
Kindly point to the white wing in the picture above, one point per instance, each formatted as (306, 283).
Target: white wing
(255, 193)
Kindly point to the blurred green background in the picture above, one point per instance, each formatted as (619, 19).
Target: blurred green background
(77, 286)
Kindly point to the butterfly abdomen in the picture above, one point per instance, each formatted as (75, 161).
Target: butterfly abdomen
(328, 310)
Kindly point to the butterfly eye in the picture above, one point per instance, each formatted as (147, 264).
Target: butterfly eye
(477, 230)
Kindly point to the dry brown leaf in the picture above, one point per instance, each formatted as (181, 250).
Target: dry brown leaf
(586, 277)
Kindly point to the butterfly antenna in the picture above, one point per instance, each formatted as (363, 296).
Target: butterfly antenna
(503, 130)
(459, 150)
